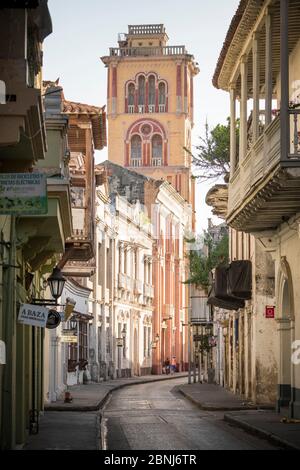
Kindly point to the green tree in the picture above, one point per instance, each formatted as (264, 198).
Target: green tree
(201, 265)
(212, 158)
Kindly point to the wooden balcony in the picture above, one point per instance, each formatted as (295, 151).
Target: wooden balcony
(264, 190)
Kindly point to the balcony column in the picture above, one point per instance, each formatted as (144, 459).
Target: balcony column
(284, 80)
(256, 83)
(268, 72)
(243, 108)
(233, 159)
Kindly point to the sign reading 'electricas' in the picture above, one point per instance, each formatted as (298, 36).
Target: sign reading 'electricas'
(23, 193)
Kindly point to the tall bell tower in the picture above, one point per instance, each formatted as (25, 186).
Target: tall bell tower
(150, 106)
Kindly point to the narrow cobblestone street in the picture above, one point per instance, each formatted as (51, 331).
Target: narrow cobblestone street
(156, 416)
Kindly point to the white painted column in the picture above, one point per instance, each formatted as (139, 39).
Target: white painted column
(268, 72)
(233, 156)
(284, 80)
(256, 76)
(243, 108)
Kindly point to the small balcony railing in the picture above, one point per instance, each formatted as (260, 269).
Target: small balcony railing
(161, 108)
(156, 161)
(148, 291)
(129, 283)
(295, 133)
(131, 108)
(136, 162)
(147, 51)
(138, 287)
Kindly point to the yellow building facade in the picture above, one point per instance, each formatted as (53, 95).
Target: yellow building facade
(150, 106)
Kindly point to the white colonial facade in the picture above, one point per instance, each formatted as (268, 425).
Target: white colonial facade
(121, 330)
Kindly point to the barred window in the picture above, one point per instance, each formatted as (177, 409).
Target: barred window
(142, 90)
(131, 91)
(151, 99)
(136, 147)
(162, 93)
(157, 147)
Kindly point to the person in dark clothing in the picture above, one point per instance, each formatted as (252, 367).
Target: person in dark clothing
(167, 365)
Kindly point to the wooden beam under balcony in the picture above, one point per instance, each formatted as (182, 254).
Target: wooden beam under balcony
(273, 203)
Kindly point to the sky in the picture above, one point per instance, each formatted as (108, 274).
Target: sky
(83, 31)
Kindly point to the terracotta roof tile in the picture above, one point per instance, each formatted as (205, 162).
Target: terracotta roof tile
(97, 118)
(71, 107)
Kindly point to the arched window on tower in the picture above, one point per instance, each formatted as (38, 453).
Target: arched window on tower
(136, 151)
(141, 91)
(151, 98)
(157, 150)
(131, 92)
(162, 97)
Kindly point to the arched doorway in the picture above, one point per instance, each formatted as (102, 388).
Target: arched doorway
(285, 331)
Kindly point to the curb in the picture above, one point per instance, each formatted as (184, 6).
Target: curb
(102, 402)
(260, 432)
(204, 407)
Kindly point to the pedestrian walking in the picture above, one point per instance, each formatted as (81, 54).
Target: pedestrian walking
(167, 365)
(173, 365)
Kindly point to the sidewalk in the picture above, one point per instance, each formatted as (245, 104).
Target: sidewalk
(213, 397)
(91, 397)
(260, 420)
(268, 425)
(62, 430)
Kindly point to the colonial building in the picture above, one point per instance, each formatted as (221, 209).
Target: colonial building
(128, 274)
(28, 242)
(171, 217)
(66, 363)
(260, 61)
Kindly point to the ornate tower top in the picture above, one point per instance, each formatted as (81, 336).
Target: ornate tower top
(144, 35)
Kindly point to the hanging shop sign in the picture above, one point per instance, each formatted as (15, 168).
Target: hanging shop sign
(23, 194)
(33, 315)
(270, 311)
(69, 339)
(120, 342)
(53, 319)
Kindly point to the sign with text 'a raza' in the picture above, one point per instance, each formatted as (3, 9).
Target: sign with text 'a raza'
(33, 315)
(23, 193)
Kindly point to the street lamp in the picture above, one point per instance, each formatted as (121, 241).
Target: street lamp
(56, 283)
(73, 323)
